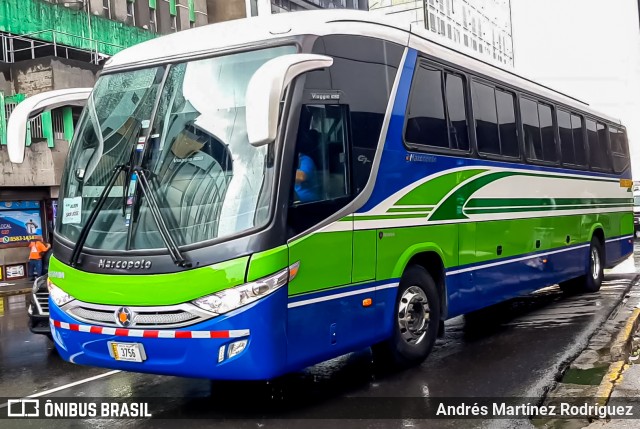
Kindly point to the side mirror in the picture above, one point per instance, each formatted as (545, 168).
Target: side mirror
(266, 88)
(33, 106)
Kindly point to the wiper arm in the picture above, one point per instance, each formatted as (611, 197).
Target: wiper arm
(169, 243)
(84, 233)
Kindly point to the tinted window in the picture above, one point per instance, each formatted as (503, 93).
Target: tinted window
(346, 132)
(363, 70)
(484, 110)
(539, 135)
(426, 123)
(531, 125)
(597, 152)
(456, 107)
(578, 140)
(619, 149)
(507, 123)
(548, 134)
(566, 138)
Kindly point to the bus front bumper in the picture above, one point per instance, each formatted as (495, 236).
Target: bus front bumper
(200, 350)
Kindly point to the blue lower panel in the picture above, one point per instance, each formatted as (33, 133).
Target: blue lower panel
(618, 250)
(484, 286)
(263, 358)
(330, 324)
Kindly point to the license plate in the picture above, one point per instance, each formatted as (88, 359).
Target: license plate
(130, 352)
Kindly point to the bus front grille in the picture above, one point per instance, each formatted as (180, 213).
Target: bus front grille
(174, 316)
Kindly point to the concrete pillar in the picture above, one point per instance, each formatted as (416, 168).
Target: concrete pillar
(164, 17)
(182, 7)
(202, 12)
(96, 7)
(225, 10)
(118, 10)
(141, 9)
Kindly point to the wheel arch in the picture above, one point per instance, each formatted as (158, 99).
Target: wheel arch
(431, 258)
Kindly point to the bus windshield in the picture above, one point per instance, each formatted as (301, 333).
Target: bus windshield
(184, 124)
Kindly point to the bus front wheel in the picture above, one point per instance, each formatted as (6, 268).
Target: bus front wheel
(592, 281)
(416, 320)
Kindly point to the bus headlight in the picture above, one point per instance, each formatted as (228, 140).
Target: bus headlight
(230, 299)
(58, 296)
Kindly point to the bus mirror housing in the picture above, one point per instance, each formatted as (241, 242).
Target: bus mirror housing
(266, 88)
(32, 107)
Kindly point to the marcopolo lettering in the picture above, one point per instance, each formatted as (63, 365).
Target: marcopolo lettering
(141, 264)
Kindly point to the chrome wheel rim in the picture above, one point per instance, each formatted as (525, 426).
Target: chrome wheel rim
(595, 264)
(413, 315)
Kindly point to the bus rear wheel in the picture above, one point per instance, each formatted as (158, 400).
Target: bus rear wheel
(592, 281)
(416, 320)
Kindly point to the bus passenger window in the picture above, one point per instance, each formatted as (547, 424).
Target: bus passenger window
(456, 108)
(427, 124)
(619, 150)
(509, 145)
(598, 156)
(566, 138)
(578, 139)
(539, 136)
(484, 108)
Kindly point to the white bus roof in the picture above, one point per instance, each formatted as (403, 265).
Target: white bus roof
(212, 38)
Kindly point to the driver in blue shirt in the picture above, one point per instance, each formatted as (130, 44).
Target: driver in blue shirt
(306, 186)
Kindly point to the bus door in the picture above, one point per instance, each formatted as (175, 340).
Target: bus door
(321, 317)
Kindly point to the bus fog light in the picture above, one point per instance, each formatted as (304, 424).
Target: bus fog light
(236, 348)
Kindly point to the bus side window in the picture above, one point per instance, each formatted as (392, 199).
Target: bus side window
(321, 177)
(619, 149)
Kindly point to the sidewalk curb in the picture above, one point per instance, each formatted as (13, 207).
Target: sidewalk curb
(619, 351)
(609, 381)
(619, 348)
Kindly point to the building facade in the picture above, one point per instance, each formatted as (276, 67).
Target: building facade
(224, 10)
(482, 26)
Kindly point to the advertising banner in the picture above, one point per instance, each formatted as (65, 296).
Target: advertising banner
(19, 222)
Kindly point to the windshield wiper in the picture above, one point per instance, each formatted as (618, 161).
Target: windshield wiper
(84, 233)
(152, 202)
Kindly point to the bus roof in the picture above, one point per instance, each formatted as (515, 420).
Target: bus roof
(206, 40)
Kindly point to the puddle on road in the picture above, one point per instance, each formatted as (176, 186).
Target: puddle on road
(588, 377)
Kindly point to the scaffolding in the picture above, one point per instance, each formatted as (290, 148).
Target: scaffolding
(16, 48)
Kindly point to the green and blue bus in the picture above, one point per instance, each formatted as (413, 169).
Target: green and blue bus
(249, 198)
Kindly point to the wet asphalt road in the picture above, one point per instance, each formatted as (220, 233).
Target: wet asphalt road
(514, 350)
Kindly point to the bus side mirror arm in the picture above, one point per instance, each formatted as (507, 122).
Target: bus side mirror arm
(266, 88)
(33, 106)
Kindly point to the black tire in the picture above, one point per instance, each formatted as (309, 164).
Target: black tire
(592, 281)
(408, 347)
(595, 275)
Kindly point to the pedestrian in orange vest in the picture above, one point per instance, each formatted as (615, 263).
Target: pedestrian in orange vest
(36, 250)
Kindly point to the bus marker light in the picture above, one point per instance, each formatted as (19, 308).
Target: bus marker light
(221, 354)
(236, 348)
(544, 261)
(367, 302)
(293, 270)
(626, 183)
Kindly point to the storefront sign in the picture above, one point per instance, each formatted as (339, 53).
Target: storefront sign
(19, 222)
(14, 271)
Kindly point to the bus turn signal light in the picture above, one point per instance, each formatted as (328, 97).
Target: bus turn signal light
(367, 302)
